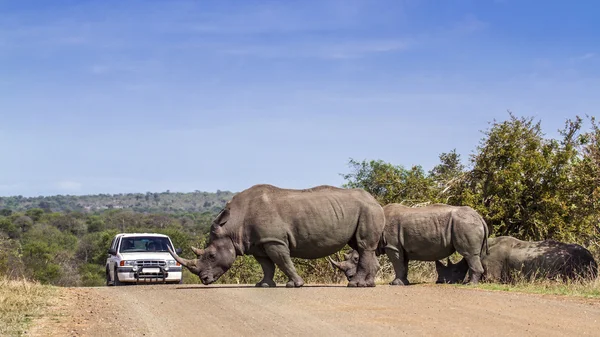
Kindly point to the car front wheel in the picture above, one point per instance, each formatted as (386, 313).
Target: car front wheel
(116, 281)
(108, 280)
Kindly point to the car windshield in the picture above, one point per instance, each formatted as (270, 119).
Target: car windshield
(144, 244)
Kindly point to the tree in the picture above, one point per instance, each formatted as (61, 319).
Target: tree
(8, 227)
(585, 195)
(520, 180)
(95, 223)
(389, 183)
(35, 213)
(10, 262)
(71, 222)
(45, 251)
(447, 174)
(44, 205)
(23, 222)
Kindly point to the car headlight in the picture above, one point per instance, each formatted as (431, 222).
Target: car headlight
(129, 263)
(172, 263)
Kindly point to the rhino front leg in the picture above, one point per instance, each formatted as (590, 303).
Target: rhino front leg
(268, 268)
(400, 263)
(366, 270)
(280, 254)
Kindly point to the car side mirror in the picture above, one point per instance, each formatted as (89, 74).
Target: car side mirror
(178, 251)
(112, 251)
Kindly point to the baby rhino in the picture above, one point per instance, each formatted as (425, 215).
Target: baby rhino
(508, 256)
(427, 233)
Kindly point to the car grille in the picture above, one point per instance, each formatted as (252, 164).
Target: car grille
(150, 263)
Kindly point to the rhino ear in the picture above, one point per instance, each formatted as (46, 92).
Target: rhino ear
(222, 217)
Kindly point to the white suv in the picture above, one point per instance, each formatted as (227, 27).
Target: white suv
(141, 257)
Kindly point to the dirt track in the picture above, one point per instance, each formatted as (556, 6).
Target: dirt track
(422, 310)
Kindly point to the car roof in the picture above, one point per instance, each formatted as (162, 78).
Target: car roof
(127, 235)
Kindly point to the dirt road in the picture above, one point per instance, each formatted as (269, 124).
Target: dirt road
(419, 310)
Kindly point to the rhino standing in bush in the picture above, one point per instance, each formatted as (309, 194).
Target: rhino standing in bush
(427, 233)
(275, 224)
(538, 259)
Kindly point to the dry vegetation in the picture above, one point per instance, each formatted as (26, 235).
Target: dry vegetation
(588, 289)
(424, 272)
(20, 302)
(247, 271)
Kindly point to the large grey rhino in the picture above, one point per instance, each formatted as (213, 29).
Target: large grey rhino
(509, 256)
(275, 224)
(428, 233)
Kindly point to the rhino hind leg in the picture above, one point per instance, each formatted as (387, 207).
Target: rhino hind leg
(400, 264)
(367, 236)
(268, 268)
(475, 268)
(280, 254)
(366, 270)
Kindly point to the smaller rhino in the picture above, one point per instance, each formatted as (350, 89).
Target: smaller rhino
(427, 233)
(532, 259)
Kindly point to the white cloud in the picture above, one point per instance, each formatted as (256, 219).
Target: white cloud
(324, 49)
(585, 56)
(99, 69)
(69, 185)
(470, 24)
(9, 187)
(361, 48)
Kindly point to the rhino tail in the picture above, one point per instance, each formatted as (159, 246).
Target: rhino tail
(486, 232)
(381, 245)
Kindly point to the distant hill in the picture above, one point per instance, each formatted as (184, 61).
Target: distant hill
(165, 202)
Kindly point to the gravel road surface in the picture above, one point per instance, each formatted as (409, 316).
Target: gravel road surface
(326, 310)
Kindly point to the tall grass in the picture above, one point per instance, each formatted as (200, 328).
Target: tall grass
(424, 272)
(578, 288)
(20, 302)
(418, 271)
(246, 270)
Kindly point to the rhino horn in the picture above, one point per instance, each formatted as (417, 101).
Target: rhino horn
(334, 263)
(198, 252)
(184, 262)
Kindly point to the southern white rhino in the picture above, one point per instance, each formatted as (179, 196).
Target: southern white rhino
(275, 224)
(428, 233)
(509, 256)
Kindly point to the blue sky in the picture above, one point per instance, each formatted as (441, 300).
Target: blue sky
(136, 96)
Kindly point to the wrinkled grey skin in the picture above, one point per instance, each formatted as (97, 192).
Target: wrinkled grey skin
(275, 224)
(509, 256)
(429, 233)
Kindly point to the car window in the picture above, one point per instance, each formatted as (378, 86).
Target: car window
(117, 243)
(144, 244)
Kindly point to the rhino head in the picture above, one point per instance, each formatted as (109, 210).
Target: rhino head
(349, 265)
(451, 273)
(214, 260)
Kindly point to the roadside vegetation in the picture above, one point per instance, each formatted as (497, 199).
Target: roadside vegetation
(580, 288)
(424, 273)
(21, 301)
(524, 185)
(163, 202)
(522, 182)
